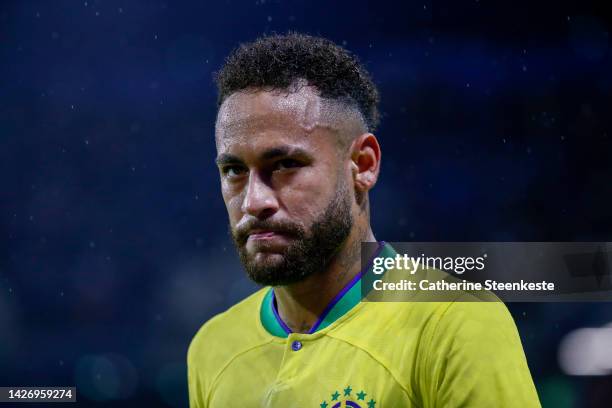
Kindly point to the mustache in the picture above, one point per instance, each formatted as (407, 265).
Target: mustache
(241, 234)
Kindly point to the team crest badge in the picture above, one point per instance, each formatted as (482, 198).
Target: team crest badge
(348, 397)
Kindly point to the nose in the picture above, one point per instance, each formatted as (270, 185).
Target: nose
(260, 199)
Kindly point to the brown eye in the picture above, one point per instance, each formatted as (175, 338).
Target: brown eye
(287, 164)
(233, 171)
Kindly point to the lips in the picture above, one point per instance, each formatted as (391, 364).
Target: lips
(260, 235)
(266, 235)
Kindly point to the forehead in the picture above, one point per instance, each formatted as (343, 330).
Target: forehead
(250, 104)
(244, 117)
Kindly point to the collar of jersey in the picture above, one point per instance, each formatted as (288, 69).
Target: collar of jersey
(344, 301)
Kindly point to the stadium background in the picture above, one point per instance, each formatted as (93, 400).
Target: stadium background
(113, 236)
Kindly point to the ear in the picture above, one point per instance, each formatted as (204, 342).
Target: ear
(365, 162)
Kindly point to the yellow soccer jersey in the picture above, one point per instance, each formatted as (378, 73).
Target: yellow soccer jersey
(361, 355)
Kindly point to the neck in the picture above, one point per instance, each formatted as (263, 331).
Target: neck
(301, 304)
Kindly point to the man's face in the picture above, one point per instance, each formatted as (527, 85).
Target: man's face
(285, 183)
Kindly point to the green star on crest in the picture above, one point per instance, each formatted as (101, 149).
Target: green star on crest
(361, 395)
(347, 391)
(335, 396)
(371, 403)
(324, 404)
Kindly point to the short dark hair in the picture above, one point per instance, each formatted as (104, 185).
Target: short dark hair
(277, 61)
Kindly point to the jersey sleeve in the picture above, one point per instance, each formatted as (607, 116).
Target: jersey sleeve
(475, 359)
(197, 391)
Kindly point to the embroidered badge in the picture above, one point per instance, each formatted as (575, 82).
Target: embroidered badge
(349, 398)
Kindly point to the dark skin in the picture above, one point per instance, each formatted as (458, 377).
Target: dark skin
(280, 156)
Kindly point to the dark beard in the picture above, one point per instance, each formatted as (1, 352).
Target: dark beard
(309, 253)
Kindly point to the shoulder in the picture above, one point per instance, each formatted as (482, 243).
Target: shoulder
(228, 334)
(431, 331)
(475, 333)
(219, 341)
(472, 317)
(475, 349)
(467, 352)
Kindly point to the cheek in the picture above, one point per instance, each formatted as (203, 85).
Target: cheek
(298, 202)
(233, 204)
(307, 196)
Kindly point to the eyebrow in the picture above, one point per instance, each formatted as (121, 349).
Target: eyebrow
(226, 158)
(272, 153)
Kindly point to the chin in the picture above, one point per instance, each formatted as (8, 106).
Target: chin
(266, 259)
(272, 273)
(262, 264)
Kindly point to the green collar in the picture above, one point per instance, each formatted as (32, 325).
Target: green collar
(344, 301)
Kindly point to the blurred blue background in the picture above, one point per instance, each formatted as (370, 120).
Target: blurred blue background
(113, 234)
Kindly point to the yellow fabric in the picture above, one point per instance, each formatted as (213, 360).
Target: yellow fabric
(377, 355)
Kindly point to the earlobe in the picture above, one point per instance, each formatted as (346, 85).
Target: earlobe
(363, 182)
